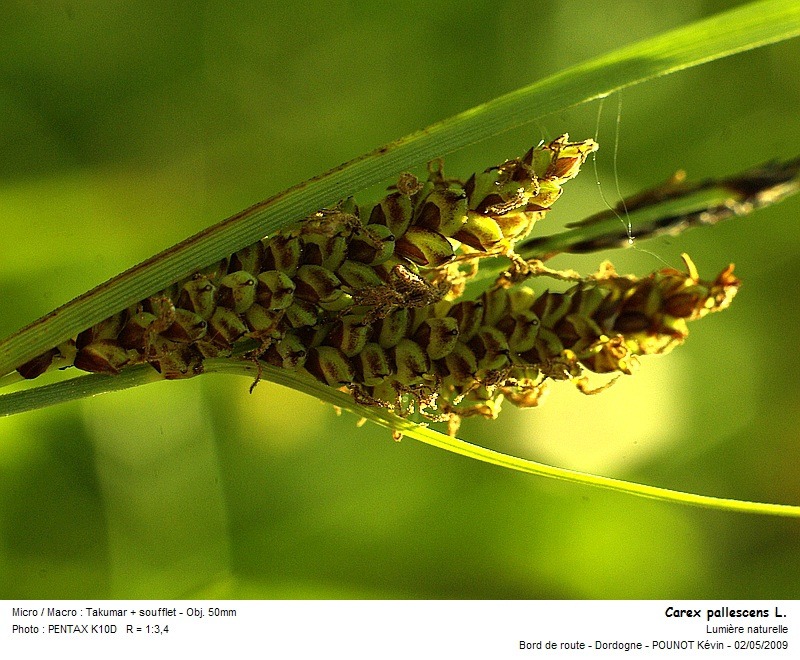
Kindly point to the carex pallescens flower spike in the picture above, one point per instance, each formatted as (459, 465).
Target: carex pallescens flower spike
(458, 359)
(408, 251)
(369, 299)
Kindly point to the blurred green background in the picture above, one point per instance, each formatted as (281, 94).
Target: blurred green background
(127, 126)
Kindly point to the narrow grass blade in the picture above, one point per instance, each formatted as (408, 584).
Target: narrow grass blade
(671, 209)
(95, 384)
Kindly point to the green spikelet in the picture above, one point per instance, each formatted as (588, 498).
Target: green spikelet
(522, 340)
(368, 260)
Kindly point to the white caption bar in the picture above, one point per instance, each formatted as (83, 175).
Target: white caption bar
(399, 629)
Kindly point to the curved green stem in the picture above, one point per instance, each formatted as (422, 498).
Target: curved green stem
(95, 384)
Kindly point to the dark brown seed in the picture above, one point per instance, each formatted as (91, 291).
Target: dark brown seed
(103, 357)
(225, 327)
(38, 365)
(188, 327)
(682, 305)
(249, 259)
(630, 322)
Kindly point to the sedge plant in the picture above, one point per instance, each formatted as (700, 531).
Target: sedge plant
(364, 306)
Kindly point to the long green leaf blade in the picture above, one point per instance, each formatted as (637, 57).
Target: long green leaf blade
(95, 384)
